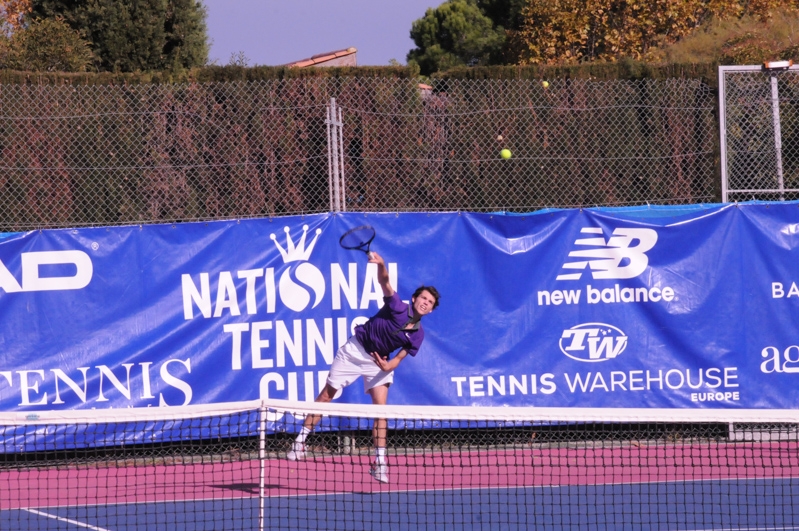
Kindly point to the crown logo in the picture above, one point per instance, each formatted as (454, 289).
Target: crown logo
(296, 253)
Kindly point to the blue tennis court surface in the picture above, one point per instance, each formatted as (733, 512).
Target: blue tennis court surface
(752, 504)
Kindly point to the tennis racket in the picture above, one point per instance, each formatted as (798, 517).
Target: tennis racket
(358, 239)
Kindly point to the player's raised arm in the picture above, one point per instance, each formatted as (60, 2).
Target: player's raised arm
(382, 274)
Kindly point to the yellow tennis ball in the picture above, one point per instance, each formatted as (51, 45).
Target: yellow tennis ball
(505, 153)
(545, 84)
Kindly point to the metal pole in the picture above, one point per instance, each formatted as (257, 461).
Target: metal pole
(723, 134)
(329, 160)
(775, 111)
(262, 460)
(335, 151)
(341, 158)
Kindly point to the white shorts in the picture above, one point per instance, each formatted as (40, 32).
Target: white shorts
(352, 361)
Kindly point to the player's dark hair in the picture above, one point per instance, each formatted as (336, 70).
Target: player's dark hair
(431, 290)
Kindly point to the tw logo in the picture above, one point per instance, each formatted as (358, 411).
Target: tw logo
(77, 263)
(592, 342)
(621, 256)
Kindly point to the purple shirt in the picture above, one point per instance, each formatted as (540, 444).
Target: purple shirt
(384, 332)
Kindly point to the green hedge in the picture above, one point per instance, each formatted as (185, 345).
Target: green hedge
(207, 74)
(625, 69)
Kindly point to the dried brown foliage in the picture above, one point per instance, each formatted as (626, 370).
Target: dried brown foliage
(13, 13)
(134, 153)
(572, 31)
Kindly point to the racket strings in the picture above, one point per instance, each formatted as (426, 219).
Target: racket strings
(357, 238)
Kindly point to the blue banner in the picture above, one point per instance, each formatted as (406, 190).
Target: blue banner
(668, 307)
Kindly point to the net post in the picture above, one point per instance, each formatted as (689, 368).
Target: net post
(261, 464)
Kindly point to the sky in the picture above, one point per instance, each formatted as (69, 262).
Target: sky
(276, 32)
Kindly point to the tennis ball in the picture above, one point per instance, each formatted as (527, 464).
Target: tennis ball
(505, 153)
(545, 84)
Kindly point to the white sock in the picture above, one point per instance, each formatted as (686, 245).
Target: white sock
(304, 433)
(380, 456)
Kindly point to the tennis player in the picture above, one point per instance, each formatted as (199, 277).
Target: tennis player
(367, 354)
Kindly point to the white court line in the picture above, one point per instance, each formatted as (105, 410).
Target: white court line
(67, 520)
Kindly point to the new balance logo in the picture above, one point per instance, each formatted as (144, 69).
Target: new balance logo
(623, 255)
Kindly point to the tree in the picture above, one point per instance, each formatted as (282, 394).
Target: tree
(39, 45)
(47, 45)
(571, 31)
(12, 13)
(743, 41)
(186, 37)
(505, 13)
(136, 35)
(455, 33)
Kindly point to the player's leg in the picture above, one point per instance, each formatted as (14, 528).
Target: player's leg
(379, 396)
(344, 370)
(297, 451)
(325, 395)
(379, 471)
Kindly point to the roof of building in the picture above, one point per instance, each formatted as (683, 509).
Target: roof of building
(322, 58)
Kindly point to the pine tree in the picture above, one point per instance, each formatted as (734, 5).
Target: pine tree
(455, 33)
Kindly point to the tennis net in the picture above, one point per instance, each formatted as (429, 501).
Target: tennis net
(225, 466)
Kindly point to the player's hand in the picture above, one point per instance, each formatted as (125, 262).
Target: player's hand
(375, 258)
(380, 361)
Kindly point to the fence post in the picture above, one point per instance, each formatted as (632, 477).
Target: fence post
(329, 123)
(775, 112)
(723, 134)
(343, 191)
(334, 126)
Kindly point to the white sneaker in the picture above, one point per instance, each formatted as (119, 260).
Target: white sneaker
(297, 452)
(379, 472)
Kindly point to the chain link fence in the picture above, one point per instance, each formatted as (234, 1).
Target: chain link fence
(759, 133)
(111, 154)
